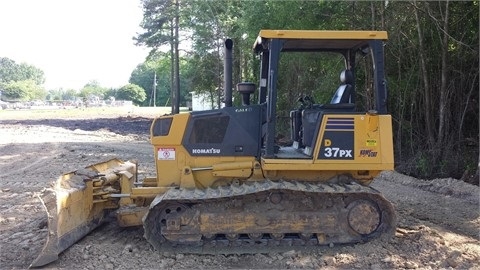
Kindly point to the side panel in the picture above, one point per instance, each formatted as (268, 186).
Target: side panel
(356, 139)
(230, 131)
(356, 144)
(203, 149)
(166, 135)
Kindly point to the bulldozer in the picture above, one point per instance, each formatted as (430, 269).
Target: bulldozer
(226, 182)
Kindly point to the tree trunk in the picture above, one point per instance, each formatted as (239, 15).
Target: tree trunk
(172, 66)
(177, 62)
(426, 85)
(219, 79)
(443, 118)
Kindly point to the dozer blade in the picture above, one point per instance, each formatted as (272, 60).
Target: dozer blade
(50, 249)
(61, 235)
(77, 204)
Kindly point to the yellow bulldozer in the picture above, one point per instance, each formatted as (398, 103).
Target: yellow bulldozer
(225, 179)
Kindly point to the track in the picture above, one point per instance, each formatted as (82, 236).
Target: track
(259, 216)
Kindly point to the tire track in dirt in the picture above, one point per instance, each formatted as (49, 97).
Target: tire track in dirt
(23, 226)
(32, 165)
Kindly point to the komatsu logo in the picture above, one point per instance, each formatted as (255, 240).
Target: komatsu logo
(206, 151)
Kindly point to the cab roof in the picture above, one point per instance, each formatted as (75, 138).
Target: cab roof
(321, 40)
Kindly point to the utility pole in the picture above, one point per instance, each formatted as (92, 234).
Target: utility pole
(155, 89)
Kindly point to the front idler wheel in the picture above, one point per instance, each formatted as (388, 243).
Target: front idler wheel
(364, 217)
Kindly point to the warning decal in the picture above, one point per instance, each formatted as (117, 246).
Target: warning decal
(166, 153)
(371, 142)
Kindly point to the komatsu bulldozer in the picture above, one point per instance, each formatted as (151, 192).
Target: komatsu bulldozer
(226, 182)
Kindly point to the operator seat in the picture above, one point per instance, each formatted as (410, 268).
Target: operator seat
(344, 91)
(311, 117)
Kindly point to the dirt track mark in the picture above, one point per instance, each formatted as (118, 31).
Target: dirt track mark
(23, 226)
(32, 165)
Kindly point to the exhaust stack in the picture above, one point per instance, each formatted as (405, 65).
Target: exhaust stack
(227, 72)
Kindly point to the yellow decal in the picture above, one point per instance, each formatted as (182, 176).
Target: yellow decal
(327, 142)
(371, 143)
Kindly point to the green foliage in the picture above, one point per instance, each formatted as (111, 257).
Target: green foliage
(308, 74)
(20, 81)
(93, 88)
(22, 90)
(205, 75)
(442, 152)
(157, 22)
(61, 94)
(29, 72)
(11, 71)
(144, 75)
(8, 70)
(131, 92)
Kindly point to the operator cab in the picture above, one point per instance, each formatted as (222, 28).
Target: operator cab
(356, 55)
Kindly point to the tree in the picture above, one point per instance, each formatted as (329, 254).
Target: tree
(131, 92)
(11, 71)
(20, 81)
(144, 74)
(205, 76)
(28, 72)
(93, 88)
(22, 90)
(159, 63)
(161, 22)
(8, 70)
(61, 94)
(430, 99)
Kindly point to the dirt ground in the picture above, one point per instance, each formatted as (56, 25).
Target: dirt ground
(438, 221)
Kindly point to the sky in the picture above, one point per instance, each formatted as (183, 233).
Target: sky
(73, 41)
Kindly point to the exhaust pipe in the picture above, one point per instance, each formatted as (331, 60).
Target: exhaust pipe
(227, 71)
